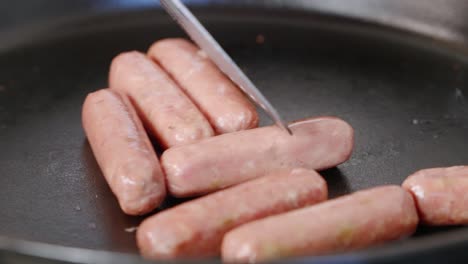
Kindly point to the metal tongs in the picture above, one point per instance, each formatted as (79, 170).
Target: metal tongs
(180, 13)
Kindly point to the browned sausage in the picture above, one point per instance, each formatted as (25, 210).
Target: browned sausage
(163, 106)
(195, 229)
(229, 159)
(123, 151)
(441, 195)
(354, 221)
(220, 100)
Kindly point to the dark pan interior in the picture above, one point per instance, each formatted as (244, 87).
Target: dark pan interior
(405, 96)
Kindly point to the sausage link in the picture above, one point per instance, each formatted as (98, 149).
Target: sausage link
(229, 159)
(441, 195)
(226, 107)
(123, 151)
(195, 229)
(351, 222)
(163, 106)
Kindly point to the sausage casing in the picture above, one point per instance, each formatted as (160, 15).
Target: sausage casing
(164, 108)
(195, 229)
(225, 106)
(123, 151)
(229, 159)
(350, 222)
(441, 195)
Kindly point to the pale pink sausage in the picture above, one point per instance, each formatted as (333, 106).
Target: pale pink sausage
(123, 151)
(351, 222)
(217, 96)
(163, 106)
(195, 229)
(229, 159)
(441, 195)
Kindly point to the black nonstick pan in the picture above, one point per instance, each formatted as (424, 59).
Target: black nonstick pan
(402, 84)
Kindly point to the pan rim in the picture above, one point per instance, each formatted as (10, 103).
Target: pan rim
(45, 31)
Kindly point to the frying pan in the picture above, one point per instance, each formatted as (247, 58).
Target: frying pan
(397, 72)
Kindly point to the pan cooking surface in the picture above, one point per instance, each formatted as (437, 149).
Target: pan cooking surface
(406, 97)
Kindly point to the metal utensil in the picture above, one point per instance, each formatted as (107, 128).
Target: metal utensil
(180, 13)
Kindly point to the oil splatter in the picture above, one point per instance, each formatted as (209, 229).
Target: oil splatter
(132, 229)
(459, 94)
(457, 106)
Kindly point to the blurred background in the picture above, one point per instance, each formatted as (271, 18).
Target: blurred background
(445, 18)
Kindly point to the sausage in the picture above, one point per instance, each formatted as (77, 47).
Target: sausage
(195, 229)
(351, 222)
(226, 107)
(441, 195)
(165, 109)
(123, 151)
(229, 159)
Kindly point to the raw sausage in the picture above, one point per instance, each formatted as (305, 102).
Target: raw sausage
(441, 195)
(195, 229)
(350, 222)
(229, 159)
(123, 151)
(219, 98)
(163, 106)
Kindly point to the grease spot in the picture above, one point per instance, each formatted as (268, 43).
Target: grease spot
(228, 222)
(260, 39)
(345, 235)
